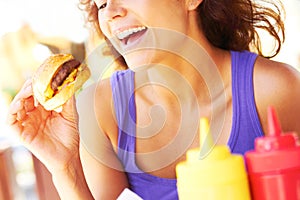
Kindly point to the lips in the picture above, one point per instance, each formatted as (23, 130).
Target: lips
(130, 35)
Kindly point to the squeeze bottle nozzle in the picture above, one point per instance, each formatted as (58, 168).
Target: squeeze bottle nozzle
(206, 139)
(273, 123)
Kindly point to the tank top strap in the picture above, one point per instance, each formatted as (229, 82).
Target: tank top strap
(122, 83)
(245, 122)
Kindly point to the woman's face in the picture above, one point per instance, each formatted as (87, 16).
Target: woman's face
(134, 25)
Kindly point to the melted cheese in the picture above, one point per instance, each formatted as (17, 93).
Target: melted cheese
(49, 93)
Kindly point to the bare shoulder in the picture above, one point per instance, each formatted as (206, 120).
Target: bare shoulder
(277, 84)
(98, 99)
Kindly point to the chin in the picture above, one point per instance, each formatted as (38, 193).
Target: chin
(140, 59)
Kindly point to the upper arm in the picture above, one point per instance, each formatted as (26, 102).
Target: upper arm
(101, 166)
(278, 85)
(104, 181)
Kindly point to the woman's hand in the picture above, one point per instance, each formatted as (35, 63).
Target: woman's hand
(51, 136)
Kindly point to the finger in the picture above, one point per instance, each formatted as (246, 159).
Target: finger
(27, 133)
(25, 92)
(18, 102)
(16, 126)
(19, 109)
(27, 82)
(21, 115)
(15, 107)
(69, 109)
(11, 119)
(29, 104)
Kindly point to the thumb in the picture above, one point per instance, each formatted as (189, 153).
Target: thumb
(69, 110)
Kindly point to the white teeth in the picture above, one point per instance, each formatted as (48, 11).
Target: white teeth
(126, 33)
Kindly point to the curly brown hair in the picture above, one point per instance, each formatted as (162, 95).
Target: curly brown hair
(228, 24)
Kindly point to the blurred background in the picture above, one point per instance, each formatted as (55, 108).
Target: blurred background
(29, 32)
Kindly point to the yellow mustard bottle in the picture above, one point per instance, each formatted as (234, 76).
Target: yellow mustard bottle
(211, 172)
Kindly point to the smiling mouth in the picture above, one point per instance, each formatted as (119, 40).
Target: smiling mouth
(131, 34)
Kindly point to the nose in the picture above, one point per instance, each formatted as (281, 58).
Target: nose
(114, 9)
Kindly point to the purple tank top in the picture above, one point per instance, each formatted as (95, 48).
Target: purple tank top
(245, 125)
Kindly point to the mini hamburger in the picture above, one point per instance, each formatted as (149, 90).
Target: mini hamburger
(57, 79)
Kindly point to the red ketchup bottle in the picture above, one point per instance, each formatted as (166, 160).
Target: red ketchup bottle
(274, 166)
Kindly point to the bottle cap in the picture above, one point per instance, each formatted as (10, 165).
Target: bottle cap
(275, 151)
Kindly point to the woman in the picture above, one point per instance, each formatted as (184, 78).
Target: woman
(136, 142)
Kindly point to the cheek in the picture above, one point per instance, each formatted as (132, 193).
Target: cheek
(104, 27)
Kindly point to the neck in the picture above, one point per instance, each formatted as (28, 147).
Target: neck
(194, 74)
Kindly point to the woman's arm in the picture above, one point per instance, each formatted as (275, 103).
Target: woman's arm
(278, 85)
(98, 139)
(71, 183)
(105, 181)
